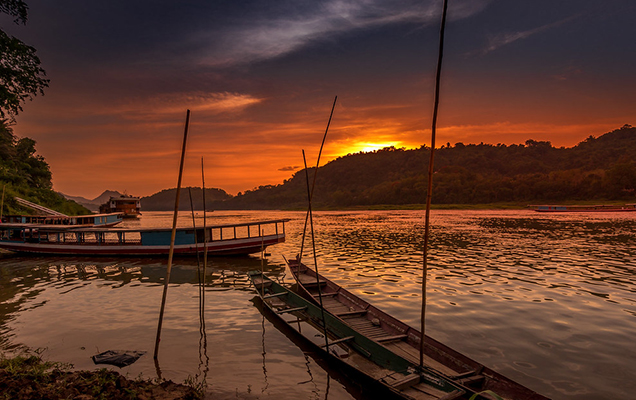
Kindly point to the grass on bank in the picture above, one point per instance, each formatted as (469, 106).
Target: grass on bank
(28, 376)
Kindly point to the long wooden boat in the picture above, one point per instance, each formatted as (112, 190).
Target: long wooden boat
(89, 220)
(577, 208)
(230, 239)
(391, 375)
(47, 216)
(399, 338)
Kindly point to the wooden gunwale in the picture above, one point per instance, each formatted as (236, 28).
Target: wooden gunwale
(403, 340)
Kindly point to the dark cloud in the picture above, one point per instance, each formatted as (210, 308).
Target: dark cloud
(290, 168)
(260, 78)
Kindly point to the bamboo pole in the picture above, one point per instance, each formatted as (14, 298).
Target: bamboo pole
(196, 246)
(172, 237)
(429, 193)
(205, 245)
(311, 194)
(262, 260)
(204, 336)
(2, 203)
(313, 242)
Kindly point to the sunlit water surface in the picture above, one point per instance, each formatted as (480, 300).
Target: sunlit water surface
(548, 300)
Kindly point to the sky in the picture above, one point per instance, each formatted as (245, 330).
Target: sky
(260, 78)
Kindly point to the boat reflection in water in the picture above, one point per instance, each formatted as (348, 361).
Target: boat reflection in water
(222, 272)
(331, 369)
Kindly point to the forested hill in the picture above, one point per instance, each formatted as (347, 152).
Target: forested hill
(596, 169)
(25, 174)
(164, 200)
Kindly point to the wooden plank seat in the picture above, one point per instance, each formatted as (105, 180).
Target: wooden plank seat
(351, 313)
(390, 338)
(406, 381)
(288, 310)
(269, 296)
(310, 283)
(344, 339)
(471, 379)
(466, 374)
(325, 294)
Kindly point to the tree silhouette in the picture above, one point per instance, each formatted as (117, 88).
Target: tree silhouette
(21, 76)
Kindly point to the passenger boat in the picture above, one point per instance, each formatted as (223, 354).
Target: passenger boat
(396, 337)
(391, 375)
(129, 206)
(51, 217)
(593, 208)
(95, 220)
(230, 239)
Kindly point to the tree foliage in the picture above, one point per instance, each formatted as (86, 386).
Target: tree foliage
(25, 174)
(21, 76)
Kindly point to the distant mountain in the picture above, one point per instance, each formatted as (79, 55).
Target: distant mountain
(164, 200)
(93, 204)
(597, 169)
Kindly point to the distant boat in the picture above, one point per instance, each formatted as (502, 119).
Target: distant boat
(129, 206)
(231, 239)
(398, 338)
(576, 208)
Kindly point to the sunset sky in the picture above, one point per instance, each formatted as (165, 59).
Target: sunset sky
(260, 78)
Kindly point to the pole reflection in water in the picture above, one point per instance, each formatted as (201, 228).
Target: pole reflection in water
(315, 390)
(204, 361)
(264, 353)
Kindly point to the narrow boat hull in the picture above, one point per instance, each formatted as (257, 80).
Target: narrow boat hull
(388, 372)
(401, 339)
(231, 247)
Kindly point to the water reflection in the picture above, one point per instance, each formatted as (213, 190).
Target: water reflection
(517, 290)
(24, 279)
(548, 301)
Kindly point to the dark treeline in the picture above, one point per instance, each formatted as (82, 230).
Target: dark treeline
(596, 169)
(25, 174)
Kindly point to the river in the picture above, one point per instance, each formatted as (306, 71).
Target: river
(547, 300)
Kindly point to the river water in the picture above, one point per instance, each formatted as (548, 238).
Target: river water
(547, 300)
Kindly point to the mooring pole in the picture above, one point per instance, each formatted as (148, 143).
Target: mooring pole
(429, 192)
(313, 242)
(311, 193)
(174, 232)
(205, 243)
(2, 203)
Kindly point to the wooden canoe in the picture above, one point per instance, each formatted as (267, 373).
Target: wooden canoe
(403, 340)
(389, 373)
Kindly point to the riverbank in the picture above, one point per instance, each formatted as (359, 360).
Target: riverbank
(27, 376)
(484, 206)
